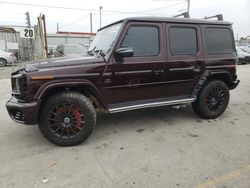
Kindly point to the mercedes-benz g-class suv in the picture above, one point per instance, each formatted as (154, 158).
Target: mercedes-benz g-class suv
(131, 64)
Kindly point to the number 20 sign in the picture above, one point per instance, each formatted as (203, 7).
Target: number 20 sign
(27, 33)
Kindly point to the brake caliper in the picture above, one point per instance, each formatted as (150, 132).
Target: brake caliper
(78, 119)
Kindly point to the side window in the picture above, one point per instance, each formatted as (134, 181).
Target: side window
(183, 40)
(218, 41)
(143, 39)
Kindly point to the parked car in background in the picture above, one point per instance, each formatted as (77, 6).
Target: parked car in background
(243, 57)
(245, 48)
(7, 58)
(70, 50)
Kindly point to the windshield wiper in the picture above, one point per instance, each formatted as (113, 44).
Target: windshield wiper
(100, 52)
(111, 45)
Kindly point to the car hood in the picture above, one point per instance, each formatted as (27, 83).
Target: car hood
(242, 54)
(63, 62)
(5, 53)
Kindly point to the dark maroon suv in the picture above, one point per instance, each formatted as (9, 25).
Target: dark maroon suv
(133, 63)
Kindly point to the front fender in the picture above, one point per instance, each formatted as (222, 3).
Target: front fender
(50, 85)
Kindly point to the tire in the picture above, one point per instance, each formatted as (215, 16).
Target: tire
(67, 118)
(3, 62)
(212, 100)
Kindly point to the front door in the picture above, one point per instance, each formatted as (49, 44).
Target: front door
(140, 77)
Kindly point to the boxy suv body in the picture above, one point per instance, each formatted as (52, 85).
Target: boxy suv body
(133, 63)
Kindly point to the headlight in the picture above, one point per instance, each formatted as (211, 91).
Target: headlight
(17, 86)
(18, 83)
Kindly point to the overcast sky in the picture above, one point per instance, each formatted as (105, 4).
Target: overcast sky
(237, 12)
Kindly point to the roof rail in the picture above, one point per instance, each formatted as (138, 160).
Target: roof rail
(218, 16)
(185, 14)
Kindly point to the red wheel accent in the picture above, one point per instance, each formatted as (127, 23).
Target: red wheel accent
(79, 119)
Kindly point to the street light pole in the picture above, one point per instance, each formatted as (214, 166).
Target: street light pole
(188, 7)
(91, 25)
(100, 16)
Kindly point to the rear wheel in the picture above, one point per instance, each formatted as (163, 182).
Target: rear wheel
(212, 100)
(3, 62)
(67, 118)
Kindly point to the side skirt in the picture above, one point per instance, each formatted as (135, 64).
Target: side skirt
(147, 104)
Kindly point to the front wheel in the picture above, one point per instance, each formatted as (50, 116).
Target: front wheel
(212, 100)
(3, 62)
(67, 118)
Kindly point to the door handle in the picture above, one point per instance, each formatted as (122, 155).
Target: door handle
(197, 68)
(107, 81)
(157, 72)
(134, 83)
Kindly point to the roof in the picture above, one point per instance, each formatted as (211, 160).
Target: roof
(7, 29)
(172, 20)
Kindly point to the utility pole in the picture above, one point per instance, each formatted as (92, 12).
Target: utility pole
(100, 16)
(57, 27)
(30, 44)
(28, 19)
(188, 7)
(91, 26)
(45, 36)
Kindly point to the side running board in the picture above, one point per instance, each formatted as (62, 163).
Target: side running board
(120, 108)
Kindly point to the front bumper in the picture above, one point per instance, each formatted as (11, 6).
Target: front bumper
(11, 60)
(233, 85)
(21, 112)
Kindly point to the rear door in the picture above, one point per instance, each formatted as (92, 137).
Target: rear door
(185, 58)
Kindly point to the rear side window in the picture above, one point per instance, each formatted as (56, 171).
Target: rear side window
(218, 41)
(183, 40)
(143, 39)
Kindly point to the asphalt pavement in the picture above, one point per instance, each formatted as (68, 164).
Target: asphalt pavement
(158, 147)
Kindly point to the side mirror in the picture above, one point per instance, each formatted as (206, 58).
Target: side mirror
(124, 52)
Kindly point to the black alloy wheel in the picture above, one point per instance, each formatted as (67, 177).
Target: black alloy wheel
(67, 118)
(212, 100)
(215, 99)
(3, 62)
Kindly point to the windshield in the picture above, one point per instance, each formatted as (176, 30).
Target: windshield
(74, 49)
(105, 39)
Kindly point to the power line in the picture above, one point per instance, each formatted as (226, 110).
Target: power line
(12, 16)
(8, 13)
(81, 9)
(163, 7)
(71, 23)
(46, 6)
